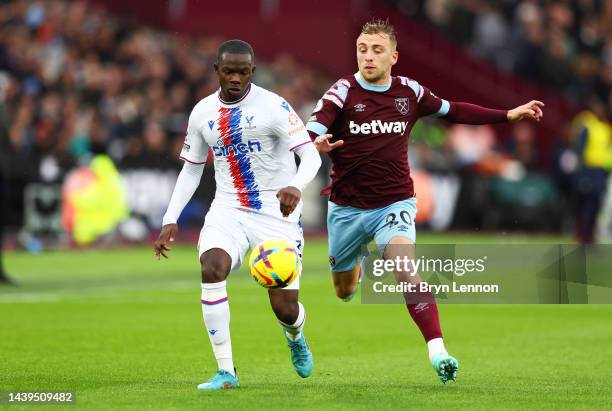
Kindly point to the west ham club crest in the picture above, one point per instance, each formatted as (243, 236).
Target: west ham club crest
(402, 105)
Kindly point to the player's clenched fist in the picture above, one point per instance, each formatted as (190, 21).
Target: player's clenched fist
(289, 197)
(324, 146)
(167, 235)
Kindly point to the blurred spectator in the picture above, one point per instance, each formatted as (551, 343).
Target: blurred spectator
(4, 170)
(491, 34)
(522, 145)
(565, 163)
(595, 147)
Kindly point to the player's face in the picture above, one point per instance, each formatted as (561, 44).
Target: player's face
(234, 72)
(375, 56)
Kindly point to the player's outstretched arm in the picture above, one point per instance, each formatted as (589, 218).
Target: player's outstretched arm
(468, 113)
(323, 145)
(186, 184)
(532, 110)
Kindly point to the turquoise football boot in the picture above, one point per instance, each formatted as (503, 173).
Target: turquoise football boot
(301, 357)
(221, 380)
(446, 367)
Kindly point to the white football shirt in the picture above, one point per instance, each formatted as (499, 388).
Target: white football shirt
(251, 141)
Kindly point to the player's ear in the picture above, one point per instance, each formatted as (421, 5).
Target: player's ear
(394, 57)
(253, 69)
(216, 67)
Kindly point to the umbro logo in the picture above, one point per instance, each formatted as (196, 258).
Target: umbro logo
(360, 107)
(421, 307)
(212, 332)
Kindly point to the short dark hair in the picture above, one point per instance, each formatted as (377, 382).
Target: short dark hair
(236, 47)
(376, 26)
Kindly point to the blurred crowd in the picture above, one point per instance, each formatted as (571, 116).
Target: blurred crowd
(563, 44)
(77, 81)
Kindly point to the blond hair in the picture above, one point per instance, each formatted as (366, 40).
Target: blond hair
(377, 26)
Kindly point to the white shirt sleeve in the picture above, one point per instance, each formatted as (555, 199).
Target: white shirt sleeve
(310, 161)
(287, 125)
(195, 149)
(186, 183)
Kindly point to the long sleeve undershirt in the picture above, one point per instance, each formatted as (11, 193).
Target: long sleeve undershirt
(310, 161)
(186, 184)
(468, 113)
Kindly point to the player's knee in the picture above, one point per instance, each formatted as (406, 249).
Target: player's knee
(214, 271)
(398, 246)
(400, 240)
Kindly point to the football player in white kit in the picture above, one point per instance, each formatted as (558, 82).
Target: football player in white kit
(253, 134)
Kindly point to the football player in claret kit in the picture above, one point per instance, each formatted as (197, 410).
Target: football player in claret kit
(253, 134)
(363, 122)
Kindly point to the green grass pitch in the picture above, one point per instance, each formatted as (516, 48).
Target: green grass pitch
(124, 331)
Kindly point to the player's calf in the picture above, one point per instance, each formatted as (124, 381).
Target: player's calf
(346, 283)
(285, 305)
(344, 292)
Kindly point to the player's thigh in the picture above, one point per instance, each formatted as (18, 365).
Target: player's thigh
(346, 237)
(222, 230)
(394, 220)
(261, 227)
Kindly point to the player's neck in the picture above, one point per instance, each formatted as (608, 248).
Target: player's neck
(228, 99)
(383, 81)
(380, 85)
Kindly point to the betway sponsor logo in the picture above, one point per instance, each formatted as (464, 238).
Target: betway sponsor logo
(378, 127)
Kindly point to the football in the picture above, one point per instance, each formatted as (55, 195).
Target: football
(274, 264)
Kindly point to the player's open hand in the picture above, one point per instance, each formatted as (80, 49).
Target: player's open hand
(289, 197)
(323, 145)
(531, 110)
(167, 235)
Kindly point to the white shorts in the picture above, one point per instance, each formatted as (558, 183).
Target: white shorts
(236, 231)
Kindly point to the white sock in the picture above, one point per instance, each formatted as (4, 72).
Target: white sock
(436, 346)
(294, 331)
(216, 313)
